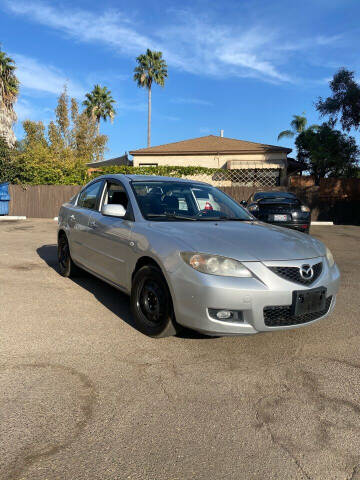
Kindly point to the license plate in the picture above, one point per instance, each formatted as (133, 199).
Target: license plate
(309, 301)
(280, 218)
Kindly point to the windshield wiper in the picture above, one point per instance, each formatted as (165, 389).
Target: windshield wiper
(176, 216)
(225, 217)
(170, 215)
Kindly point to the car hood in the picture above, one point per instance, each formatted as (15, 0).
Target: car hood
(245, 241)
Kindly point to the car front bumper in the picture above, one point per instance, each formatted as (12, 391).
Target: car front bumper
(195, 293)
(301, 227)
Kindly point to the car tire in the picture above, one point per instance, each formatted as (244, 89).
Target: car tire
(66, 266)
(151, 303)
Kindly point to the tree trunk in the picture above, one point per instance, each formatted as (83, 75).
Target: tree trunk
(7, 119)
(149, 118)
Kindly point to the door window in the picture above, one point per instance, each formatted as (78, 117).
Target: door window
(116, 195)
(88, 198)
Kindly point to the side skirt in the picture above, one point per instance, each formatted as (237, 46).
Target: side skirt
(100, 277)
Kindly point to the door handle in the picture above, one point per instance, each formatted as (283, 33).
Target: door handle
(92, 224)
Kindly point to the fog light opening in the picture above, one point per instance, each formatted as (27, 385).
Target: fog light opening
(226, 315)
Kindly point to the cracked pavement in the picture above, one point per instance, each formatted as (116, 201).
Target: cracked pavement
(85, 396)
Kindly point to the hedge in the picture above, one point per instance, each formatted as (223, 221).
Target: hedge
(52, 174)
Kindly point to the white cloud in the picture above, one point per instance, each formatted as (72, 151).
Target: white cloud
(45, 78)
(189, 42)
(191, 101)
(27, 110)
(112, 28)
(23, 110)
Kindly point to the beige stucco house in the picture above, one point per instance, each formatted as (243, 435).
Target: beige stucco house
(214, 152)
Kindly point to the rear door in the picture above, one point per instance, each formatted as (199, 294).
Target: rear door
(110, 236)
(79, 235)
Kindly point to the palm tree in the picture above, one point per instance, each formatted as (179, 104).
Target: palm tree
(99, 104)
(298, 125)
(9, 89)
(151, 68)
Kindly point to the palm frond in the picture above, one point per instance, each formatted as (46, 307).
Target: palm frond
(286, 133)
(9, 84)
(151, 68)
(298, 124)
(99, 104)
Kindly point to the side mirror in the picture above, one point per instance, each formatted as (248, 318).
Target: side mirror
(113, 210)
(243, 203)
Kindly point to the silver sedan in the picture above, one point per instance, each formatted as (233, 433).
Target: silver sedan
(189, 255)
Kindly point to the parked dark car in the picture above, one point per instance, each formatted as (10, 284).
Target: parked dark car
(280, 208)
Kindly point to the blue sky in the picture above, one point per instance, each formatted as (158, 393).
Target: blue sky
(242, 66)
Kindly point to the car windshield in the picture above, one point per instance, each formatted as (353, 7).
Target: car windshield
(271, 195)
(175, 200)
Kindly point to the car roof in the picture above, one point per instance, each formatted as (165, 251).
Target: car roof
(151, 178)
(159, 178)
(275, 193)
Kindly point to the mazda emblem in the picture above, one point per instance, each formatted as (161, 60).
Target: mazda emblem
(306, 272)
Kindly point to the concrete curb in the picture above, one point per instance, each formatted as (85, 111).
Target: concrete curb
(6, 218)
(322, 223)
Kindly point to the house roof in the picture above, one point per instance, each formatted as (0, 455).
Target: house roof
(123, 160)
(211, 144)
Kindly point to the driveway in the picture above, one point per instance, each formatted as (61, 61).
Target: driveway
(85, 396)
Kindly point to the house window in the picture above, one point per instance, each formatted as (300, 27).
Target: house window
(148, 164)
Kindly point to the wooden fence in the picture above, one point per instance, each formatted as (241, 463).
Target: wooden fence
(44, 201)
(39, 201)
(337, 200)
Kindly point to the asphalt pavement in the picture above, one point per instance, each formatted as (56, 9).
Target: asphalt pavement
(85, 396)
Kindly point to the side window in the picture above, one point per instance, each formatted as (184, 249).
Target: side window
(88, 198)
(116, 195)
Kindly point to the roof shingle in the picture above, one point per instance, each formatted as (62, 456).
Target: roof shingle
(211, 144)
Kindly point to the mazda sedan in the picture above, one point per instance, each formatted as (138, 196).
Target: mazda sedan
(189, 255)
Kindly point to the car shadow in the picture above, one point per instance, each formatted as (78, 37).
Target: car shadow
(113, 299)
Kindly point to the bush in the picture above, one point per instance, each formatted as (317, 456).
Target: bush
(166, 171)
(37, 166)
(8, 166)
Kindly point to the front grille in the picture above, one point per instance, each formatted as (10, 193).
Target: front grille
(293, 273)
(282, 317)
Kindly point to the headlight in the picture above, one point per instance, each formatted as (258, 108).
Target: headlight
(215, 265)
(253, 208)
(330, 258)
(305, 209)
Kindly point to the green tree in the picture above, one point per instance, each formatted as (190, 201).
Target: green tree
(344, 103)
(62, 117)
(327, 152)
(99, 104)
(298, 125)
(34, 133)
(60, 154)
(151, 67)
(9, 89)
(8, 164)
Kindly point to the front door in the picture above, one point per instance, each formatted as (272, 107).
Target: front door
(110, 236)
